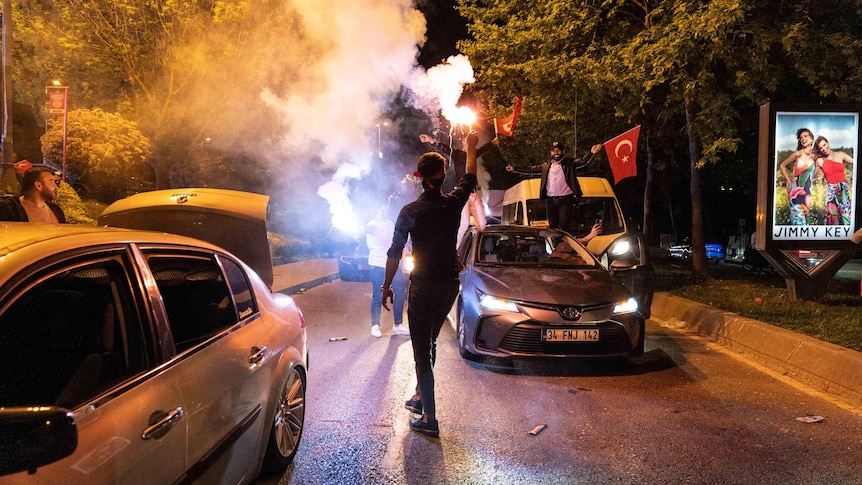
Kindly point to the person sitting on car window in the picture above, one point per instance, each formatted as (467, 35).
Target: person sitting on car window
(35, 204)
(565, 253)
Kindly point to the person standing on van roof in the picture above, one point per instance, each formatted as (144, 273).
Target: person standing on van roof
(559, 186)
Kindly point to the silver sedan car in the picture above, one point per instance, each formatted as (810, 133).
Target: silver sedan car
(534, 292)
(133, 356)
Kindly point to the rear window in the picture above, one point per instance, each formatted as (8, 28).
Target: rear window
(195, 295)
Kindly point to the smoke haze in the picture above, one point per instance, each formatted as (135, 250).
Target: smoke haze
(357, 55)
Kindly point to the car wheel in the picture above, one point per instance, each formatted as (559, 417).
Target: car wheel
(287, 424)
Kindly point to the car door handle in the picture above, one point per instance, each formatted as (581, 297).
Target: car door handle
(164, 424)
(257, 355)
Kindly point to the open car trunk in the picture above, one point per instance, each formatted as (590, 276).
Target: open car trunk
(231, 219)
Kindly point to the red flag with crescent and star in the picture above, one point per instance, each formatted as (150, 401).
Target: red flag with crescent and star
(506, 126)
(622, 152)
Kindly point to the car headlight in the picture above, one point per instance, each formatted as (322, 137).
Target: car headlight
(620, 247)
(628, 306)
(496, 304)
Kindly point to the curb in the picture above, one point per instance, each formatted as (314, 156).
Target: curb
(824, 366)
(301, 287)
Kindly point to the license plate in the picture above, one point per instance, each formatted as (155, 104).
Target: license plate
(570, 335)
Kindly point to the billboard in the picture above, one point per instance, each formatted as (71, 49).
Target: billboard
(814, 174)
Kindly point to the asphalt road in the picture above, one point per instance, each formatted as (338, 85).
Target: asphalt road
(686, 412)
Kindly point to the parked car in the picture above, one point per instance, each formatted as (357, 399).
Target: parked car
(353, 263)
(522, 297)
(715, 251)
(133, 356)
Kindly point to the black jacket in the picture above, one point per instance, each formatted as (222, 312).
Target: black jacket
(570, 165)
(12, 210)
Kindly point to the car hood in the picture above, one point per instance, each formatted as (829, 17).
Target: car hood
(230, 219)
(548, 285)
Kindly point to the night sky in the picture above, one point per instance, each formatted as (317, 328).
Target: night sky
(445, 28)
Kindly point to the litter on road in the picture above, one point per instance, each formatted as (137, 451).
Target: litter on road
(538, 429)
(810, 419)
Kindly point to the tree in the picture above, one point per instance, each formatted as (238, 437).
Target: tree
(688, 70)
(107, 151)
(168, 66)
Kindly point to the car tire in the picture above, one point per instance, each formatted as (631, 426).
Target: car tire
(287, 424)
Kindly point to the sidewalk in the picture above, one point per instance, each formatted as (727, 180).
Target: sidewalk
(299, 276)
(820, 365)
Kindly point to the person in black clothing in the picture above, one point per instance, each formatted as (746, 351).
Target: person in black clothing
(35, 204)
(559, 186)
(431, 222)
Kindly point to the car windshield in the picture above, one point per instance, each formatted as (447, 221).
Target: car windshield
(530, 248)
(585, 213)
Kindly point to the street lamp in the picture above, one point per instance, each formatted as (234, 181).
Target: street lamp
(379, 149)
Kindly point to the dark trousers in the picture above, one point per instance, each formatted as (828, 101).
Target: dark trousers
(560, 211)
(427, 305)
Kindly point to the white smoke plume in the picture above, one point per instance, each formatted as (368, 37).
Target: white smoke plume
(357, 55)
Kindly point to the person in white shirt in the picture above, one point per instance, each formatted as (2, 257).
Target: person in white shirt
(378, 237)
(559, 185)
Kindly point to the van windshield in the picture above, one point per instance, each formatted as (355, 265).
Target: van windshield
(584, 215)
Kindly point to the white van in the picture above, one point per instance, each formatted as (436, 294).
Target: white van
(521, 205)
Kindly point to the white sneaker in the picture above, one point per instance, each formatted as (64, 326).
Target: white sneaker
(400, 330)
(375, 331)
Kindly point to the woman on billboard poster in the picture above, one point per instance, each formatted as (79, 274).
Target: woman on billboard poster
(838, 203)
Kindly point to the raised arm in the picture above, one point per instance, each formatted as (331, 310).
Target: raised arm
(471, 140)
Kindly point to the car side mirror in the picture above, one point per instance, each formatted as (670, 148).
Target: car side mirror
(625, 252)
(31, 437)
(627, 259)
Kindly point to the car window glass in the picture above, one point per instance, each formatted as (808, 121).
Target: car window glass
(537, 210)
(242, 294)
(589, 209)
(195, 296)
(528, 248)
(70, 337)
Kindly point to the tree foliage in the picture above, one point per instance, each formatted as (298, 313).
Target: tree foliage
(167, 65)
(689, 71)
(106, 150)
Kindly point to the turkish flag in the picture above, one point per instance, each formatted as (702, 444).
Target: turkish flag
(622, 153)
(506, 126)
(23, 166)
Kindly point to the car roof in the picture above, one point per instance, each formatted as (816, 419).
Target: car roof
(21, 243)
